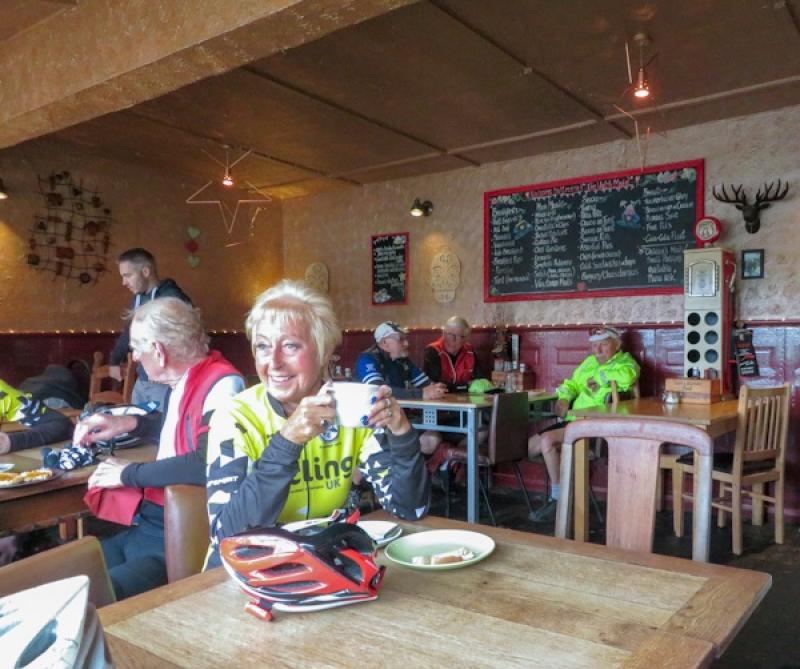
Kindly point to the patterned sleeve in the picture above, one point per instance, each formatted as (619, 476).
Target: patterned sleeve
(419, 379)
(245, 490)
(395, 468)
(368, 370)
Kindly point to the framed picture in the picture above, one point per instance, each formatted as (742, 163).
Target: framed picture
(753, 264)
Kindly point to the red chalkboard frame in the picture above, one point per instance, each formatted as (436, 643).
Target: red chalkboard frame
(405, 270)
(697, 164)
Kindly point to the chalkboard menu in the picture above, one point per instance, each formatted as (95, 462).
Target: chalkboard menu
(389, 268)
(611, 234)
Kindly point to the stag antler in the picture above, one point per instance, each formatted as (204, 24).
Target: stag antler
(767, 196)
(738, 196)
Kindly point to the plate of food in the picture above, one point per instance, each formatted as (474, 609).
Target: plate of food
(440, 549)
(27, 477)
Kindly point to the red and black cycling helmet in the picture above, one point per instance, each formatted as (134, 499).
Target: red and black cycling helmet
(294, 572)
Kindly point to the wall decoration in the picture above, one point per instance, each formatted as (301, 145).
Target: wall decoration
(317, 277)
(751, 211)
(389, 268)
(223, 193)
(192, 246)
(445, 276)
(72, 237)
(753, 264)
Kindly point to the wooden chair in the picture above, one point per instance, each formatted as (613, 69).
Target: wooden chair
(82, 556)
(758, 458)
(507, 443)
(185, 530)
(633, 464)
(100, 376)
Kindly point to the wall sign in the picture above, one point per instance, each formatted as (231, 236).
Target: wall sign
(389, 268)
(621, 233)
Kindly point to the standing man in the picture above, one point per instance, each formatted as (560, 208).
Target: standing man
(137, 267)
(450, 359)
(387, 363)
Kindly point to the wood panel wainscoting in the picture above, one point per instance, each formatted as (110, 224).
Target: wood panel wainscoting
(552, 352)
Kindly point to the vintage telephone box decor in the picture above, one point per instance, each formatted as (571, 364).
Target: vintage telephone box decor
(708, 312)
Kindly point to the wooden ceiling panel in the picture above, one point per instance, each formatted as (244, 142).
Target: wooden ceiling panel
(707, 47)
(128, 137)
(19, 15)
(244, 109)
(423, 72)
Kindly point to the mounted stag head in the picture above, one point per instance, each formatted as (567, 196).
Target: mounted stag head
(752, 212)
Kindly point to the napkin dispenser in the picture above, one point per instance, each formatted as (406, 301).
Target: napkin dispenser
(695, 391)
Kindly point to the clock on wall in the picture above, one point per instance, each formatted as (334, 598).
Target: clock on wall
(707, 231)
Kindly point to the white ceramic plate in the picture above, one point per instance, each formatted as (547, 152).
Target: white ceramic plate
(381, 531)
(6, 466)
(404, 550)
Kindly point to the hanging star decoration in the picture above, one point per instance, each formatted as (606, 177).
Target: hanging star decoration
(228, 211)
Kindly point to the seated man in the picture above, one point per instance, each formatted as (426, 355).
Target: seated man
(450, 359)
(387, 363)
(45, 426)
(589, 386)
(168, 338)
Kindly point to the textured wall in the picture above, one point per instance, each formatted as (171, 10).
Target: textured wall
(335, 227)
(150, 210)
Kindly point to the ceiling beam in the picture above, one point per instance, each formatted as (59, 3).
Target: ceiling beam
(102, 56)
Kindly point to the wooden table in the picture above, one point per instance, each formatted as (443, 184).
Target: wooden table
(716, 419)
(467, 409)
(536, 601)
(47, 503)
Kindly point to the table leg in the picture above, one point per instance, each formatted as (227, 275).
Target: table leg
(472, 466)
(581, 506)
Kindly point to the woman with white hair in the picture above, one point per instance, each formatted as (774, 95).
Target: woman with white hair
(168, 338)
(275, 452)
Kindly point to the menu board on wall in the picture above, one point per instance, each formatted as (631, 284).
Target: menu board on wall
(389, 268)
(622, 233)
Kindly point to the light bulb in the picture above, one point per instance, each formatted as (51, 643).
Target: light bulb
(642, 90)
(227, 179)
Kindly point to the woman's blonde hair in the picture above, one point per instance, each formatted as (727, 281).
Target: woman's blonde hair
(294, 302)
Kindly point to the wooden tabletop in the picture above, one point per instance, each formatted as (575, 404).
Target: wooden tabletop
(536, 601)
(48, 502)
(701, 415)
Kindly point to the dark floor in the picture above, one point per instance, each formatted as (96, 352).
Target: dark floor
(769, 640)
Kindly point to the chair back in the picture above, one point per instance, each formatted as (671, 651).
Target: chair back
(186, 530)
(615, 395)
(763, 425)
(100, 378)
(82, 556)
(508, 429)
(633, 465)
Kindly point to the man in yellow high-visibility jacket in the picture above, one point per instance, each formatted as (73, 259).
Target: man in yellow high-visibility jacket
(589, 385)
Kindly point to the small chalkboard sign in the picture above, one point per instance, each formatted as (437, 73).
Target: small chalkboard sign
(622, 233)
(389, 268)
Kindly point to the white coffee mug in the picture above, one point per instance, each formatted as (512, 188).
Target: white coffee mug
(353, 402)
